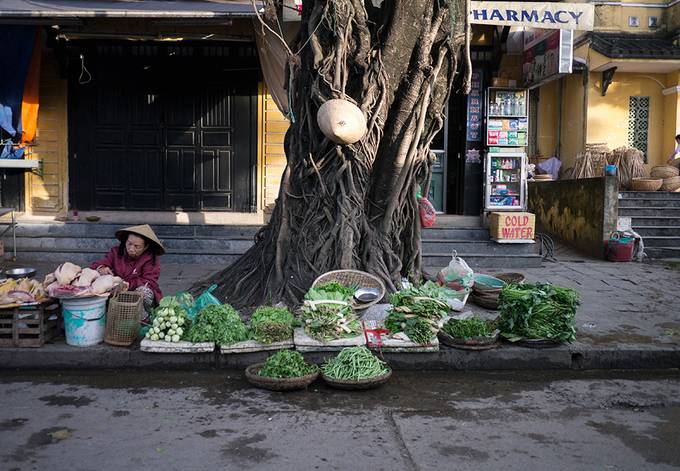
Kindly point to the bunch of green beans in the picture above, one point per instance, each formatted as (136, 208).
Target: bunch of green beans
(354, 363)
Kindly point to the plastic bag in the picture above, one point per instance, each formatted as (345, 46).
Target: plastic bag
(428, 215)
(194, 306)
(457, 275)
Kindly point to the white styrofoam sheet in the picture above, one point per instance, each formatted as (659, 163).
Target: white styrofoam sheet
(249, 346)
(305, 343)
(159, 346)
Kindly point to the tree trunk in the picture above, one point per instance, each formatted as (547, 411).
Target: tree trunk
(355, 206)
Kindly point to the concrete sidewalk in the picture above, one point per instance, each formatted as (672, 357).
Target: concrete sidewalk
(629, 318)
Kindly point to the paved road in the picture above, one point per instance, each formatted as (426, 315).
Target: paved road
(421, 420)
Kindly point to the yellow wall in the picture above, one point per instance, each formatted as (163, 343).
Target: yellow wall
(573, 119)
(608, 115)
(49, 193)
(546, 132)
(274, 126)
(613, 18)
(671, 116)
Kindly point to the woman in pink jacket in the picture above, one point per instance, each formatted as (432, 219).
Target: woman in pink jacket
(135, 260)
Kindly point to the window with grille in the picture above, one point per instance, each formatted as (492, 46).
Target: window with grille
(638, 123)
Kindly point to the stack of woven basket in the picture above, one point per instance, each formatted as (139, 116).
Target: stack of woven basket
(670, 181)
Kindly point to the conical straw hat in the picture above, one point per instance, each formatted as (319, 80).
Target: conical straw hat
(145, 231)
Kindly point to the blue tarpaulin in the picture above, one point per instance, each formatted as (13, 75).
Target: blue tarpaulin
(16, 49)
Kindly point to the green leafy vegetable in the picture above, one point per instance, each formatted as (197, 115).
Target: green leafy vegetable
(329, 320)
(416, 315)
(538, 311)
(287, 364)
(354, 363)
(469, 328)
(331, 291)
(218, 323)
(271, 324)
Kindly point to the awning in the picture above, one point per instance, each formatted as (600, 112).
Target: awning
(632, 53)
(125, 9)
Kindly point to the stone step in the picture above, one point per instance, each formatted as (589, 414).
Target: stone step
(666, 231)
(646, 221)
(482, 260)
(665, 195)
(476, 246)
(107, 230)
(659, 211)
(207, 245)
(662, 252)
(661, 241)
(648, 202)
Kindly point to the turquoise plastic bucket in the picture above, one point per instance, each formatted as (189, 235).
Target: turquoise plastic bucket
(84, 320)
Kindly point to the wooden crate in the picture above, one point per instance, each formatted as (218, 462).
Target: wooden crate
(29, 326)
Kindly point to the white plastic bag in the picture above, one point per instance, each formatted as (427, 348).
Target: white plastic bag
(457, 275)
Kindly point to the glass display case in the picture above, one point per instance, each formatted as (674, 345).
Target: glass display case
(505, 181)
(507, 117)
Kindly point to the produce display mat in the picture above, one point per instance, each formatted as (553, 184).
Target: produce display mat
(249, 346)
(159, 346)
(37, 302)
(305, 343)
(403, 346)
(536, 343)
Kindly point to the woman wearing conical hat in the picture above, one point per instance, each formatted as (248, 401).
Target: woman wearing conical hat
(135, 260)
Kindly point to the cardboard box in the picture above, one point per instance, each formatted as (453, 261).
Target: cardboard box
(512, 226)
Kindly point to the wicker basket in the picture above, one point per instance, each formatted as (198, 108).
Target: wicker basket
(670, 184)
(123, 317)
(357, 385)
(354, 277)
(511, 277)
(664, 171)
(278, 384)
(486, 300)
(645, 184)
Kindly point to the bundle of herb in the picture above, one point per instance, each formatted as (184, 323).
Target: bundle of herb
(287, 364)
(416, 315)
(271, 324)
(218, 323)
(331, 291)
(354, 363)
(538, 311)
(469, 328)
(328, 320)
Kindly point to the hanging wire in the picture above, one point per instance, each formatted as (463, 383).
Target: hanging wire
(547, 248)
(83, 72)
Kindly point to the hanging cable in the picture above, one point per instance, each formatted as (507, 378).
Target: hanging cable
(547, 248)
(84, 72)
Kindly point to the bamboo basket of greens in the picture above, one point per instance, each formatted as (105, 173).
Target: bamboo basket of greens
(355, 368)
(538, 314)
(353, 280)
(471, 333)
(286, 370)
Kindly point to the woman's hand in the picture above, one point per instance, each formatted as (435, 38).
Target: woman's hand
(104, 270)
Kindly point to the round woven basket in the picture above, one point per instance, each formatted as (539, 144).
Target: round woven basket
(511, 277)
(670, 184)
(486, 300)
(351, 385)
(357, 278)
(473, 343)
(278, 384)
(646, 184)
(664, 171)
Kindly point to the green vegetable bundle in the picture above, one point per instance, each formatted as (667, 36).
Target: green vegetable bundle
(169, 321)
(538, 311)
(327, 314)
(287, 364)
(416, 315)
(271, 324)
(354, 363)
(218, 323)
(469, 328)
(331, 291)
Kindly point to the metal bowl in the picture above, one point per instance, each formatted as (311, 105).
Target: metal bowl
(17, 273)
(366, 295)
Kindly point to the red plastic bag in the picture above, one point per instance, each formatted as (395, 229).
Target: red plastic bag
(428, 215)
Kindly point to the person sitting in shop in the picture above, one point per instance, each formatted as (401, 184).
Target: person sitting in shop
(135, 260)
(674, 158)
